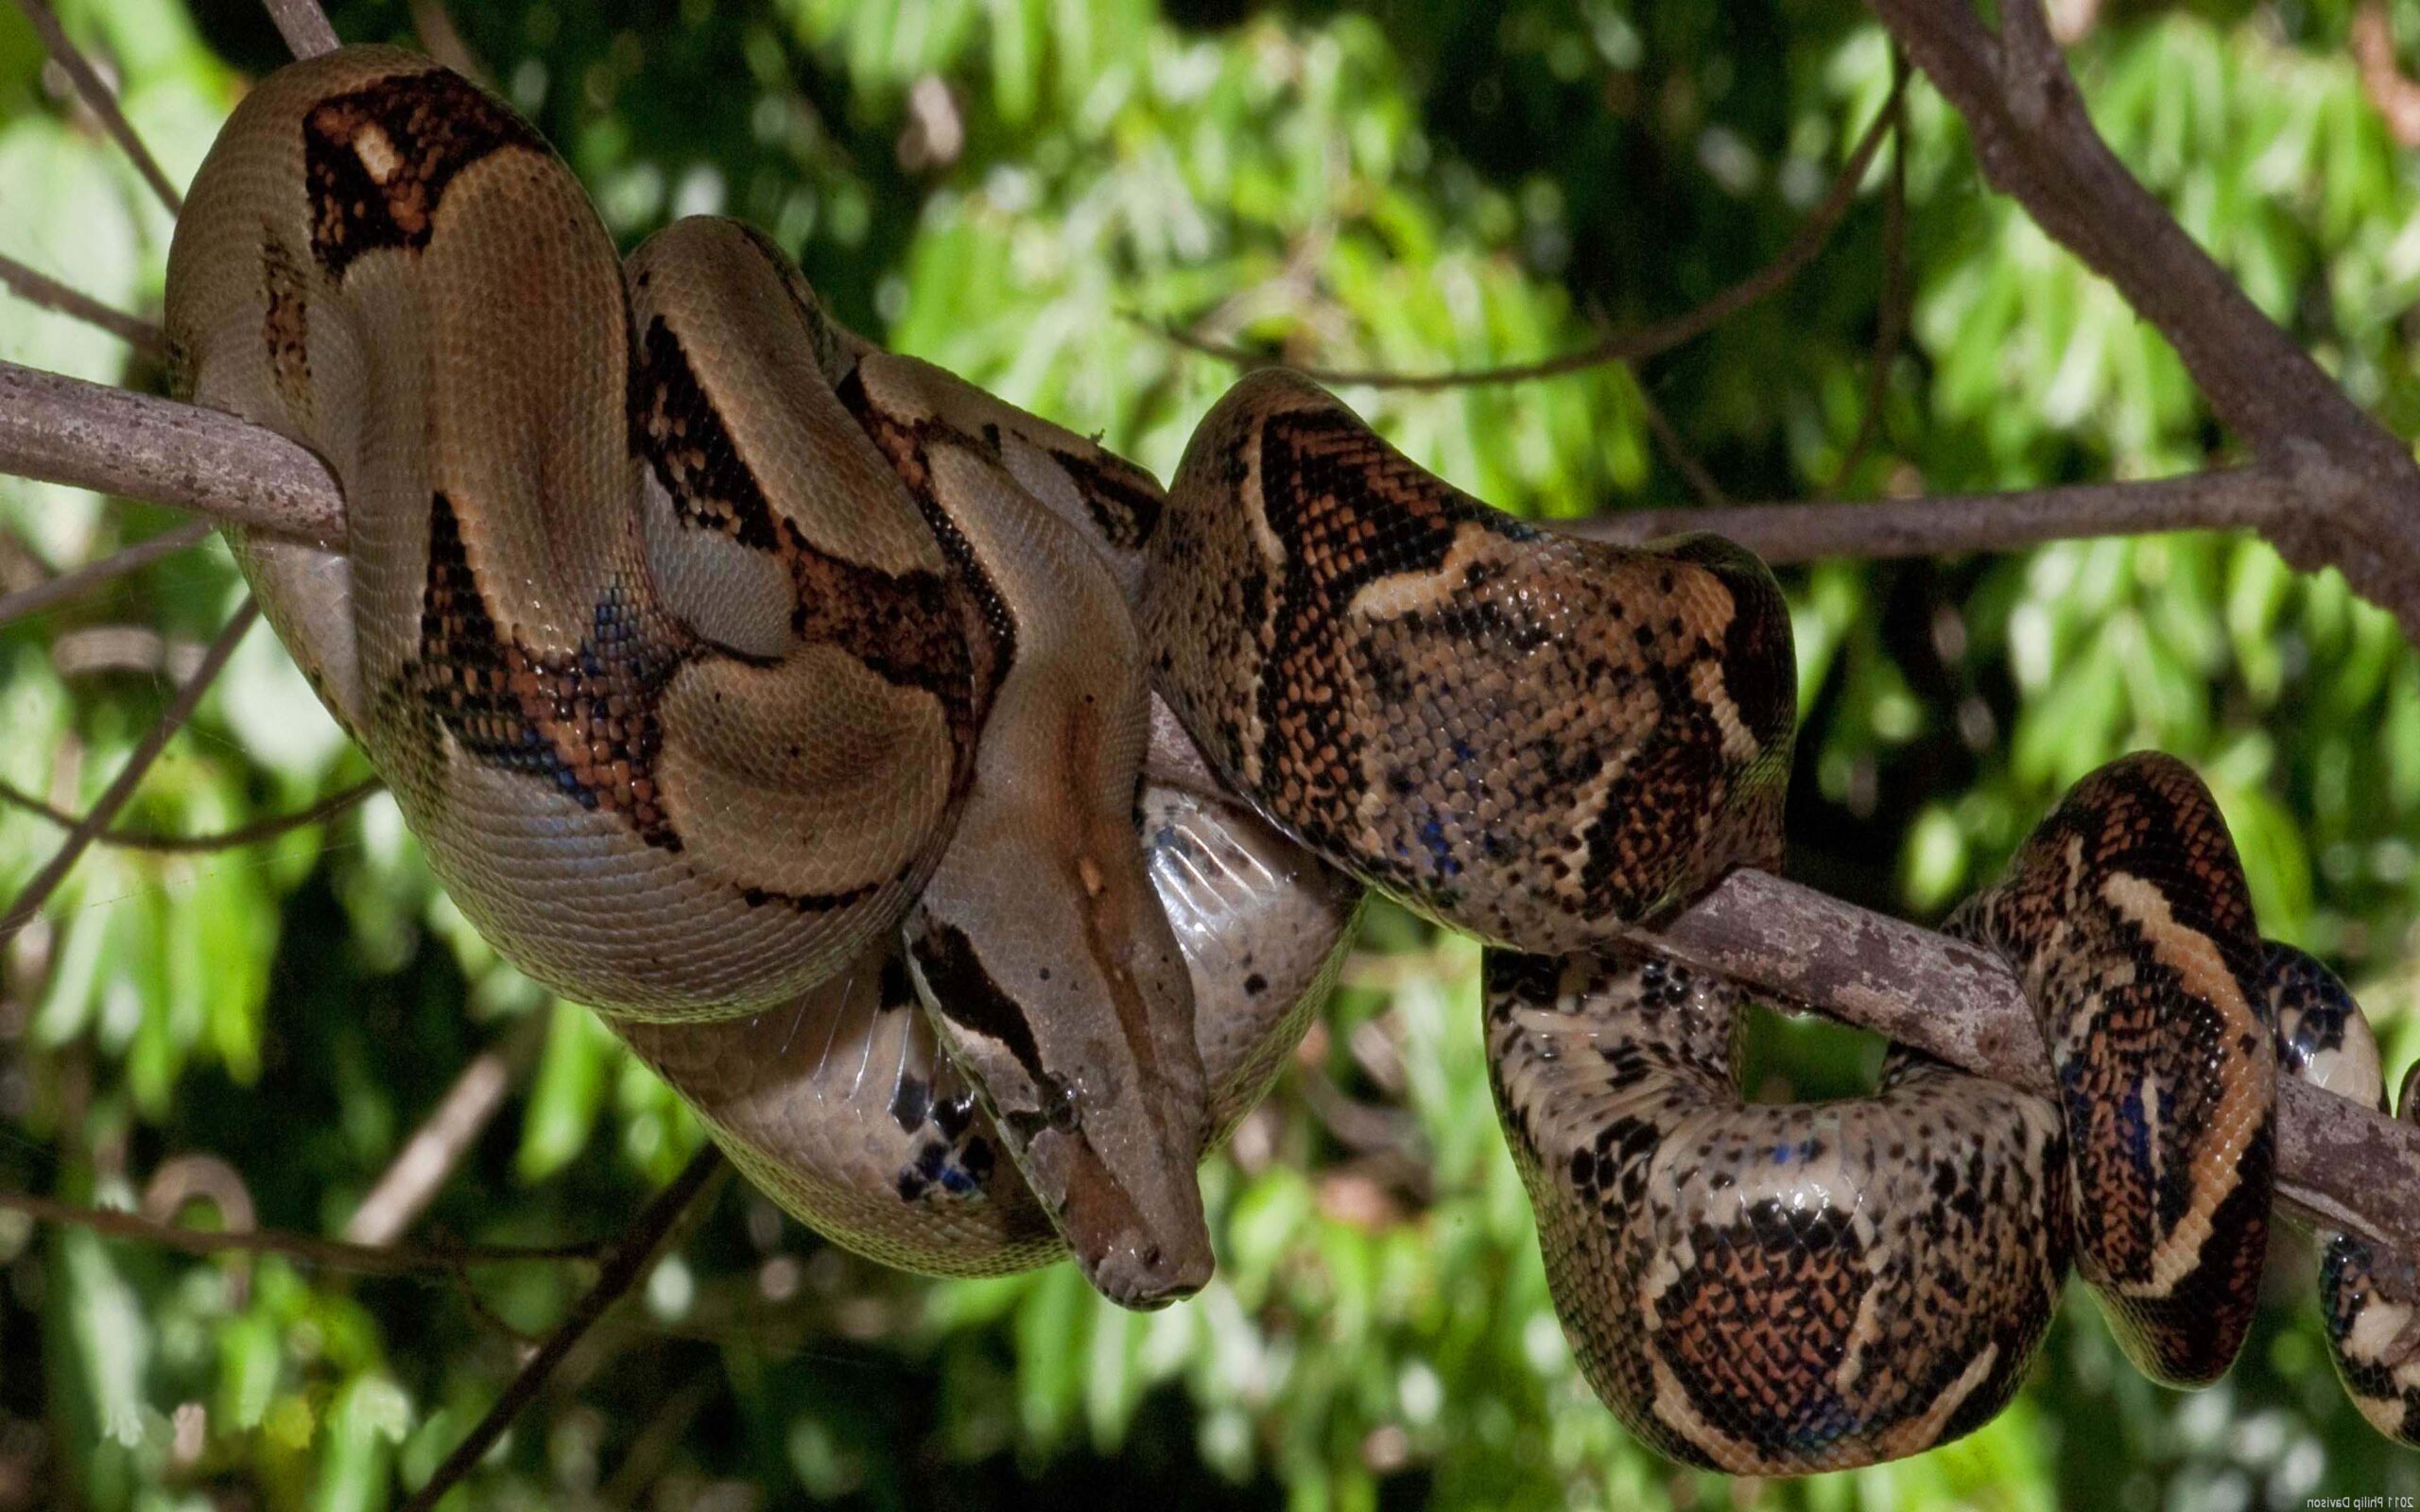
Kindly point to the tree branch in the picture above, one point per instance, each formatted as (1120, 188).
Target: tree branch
(2225, 499)
(98, 98)
(1621, 346)
(1675, 450)
(41, 289)
(1890, 300)
(443, 39)
(36, 892)
(628, 1260)
(2360, 489)
(309, 1250)
(64, 430)
(2339, 1165)
(2395, 97)
(79, 581)
(237, 473)
(304, 26)
(420, 1168)
(269, 829)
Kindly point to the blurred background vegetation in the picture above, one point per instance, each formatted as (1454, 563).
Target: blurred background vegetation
(1020, 189)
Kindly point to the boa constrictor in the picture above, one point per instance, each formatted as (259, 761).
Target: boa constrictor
(795, 705)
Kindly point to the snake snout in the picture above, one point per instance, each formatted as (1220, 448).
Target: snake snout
(1145, 1275)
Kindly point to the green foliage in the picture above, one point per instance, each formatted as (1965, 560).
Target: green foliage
(1022, 190)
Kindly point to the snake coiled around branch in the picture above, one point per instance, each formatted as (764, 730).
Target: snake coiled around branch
(968, 830)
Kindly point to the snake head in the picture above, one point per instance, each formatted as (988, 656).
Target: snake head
(1087, 1066)
(1142, 1243)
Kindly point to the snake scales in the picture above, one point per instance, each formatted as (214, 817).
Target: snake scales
(808, 711)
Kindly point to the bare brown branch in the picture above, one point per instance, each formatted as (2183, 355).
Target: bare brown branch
(309, 1250)
(36, 891)
(303, 26)
(50, 294)
(269, 829)
(80, 580)
(100, 100)
(238, 473)
(629, 1258)
(1621, 346)
(2339, 1165)
(443, 39)
(2393, 94)
(419, 1170)
(2360, 489)
(1891, 300)
(1675, 450)
(64, 430)
(2225, 499)
(645, 1456)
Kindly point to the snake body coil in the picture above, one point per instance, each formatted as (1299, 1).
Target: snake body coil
(2369, 1296)
(788, 701)
(1550, 744)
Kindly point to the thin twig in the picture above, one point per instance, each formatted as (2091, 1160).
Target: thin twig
(1365, 1129)
(629, 1258)
(309, 1250)
(105, 809)
(413, 1177)
(80, 580)
(488, 1316)
(198, 1175)
(1675, 450)
(1891, 301)
(2339, 1165)
(443, 39)
(91, 650)
(253, 834)
(41, 289)
(2222, 499)
(64, 430)
(304, 26)
(1621, 346)
(100, 100)
(665, 1428)
(2395, 96)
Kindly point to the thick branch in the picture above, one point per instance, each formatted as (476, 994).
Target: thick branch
(2339, 1164)
(64, 430)
(238, 473)
(2360, 490)
(2331, 487)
